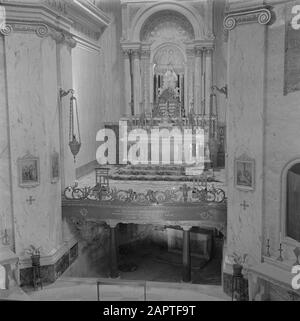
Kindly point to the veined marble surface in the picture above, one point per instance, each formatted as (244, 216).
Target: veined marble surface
(245, 132)
(33, 119)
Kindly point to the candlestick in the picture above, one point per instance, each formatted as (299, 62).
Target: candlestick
(280, 258)
(5, 238)
(268, 248)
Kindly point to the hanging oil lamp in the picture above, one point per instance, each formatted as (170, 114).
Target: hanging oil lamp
(74, 140)
(74, 131)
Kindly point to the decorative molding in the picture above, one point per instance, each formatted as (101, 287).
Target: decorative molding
(57, 5)
(60, 19)
(41, 30)
(261, 15)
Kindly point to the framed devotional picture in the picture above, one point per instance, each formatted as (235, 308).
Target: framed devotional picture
(244, 173)
(29, 171)
(54, 167)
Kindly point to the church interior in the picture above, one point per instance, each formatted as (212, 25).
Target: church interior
(149, 151)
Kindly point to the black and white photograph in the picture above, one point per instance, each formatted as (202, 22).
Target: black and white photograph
(149, 152)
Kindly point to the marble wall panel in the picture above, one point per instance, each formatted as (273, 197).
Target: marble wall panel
(281, 132)
(5, 183)
(33, 120)
(245, 124)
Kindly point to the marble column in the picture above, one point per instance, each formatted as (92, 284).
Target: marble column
(137, 81)
(190, 76)
(186, 255)
(114, 272)
(186, 96)
(127, 80)
(198, 80)
(208, 78)
(145, 60)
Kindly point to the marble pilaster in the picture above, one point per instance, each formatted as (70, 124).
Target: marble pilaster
(145, 62)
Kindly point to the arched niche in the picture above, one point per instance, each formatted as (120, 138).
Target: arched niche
(167, 26)
(177, 9)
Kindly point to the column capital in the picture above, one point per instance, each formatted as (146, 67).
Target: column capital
(261, 15)
(208, 50)
(186, 228)
(198, 51)
(136, 53)
(40, 29)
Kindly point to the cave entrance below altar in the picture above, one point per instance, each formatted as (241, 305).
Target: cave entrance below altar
(155, 253)
(152, 253)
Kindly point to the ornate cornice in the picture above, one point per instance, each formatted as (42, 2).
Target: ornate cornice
(40, 29)
(261, 15)
(78, 18)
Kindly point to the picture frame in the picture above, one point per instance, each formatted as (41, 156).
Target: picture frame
(29, 171)
(54, 168)
(244, 172)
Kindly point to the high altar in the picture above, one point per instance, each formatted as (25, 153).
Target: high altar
(168, 67)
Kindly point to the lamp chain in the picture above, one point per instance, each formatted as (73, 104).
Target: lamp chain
(77, 119)
(71, 125)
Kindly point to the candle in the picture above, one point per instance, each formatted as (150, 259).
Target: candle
(280, 237)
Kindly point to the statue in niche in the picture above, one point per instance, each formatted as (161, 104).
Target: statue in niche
(170, 79)
(169, 105)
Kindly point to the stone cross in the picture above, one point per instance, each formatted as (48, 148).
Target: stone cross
(244, 205)
(30, 200)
